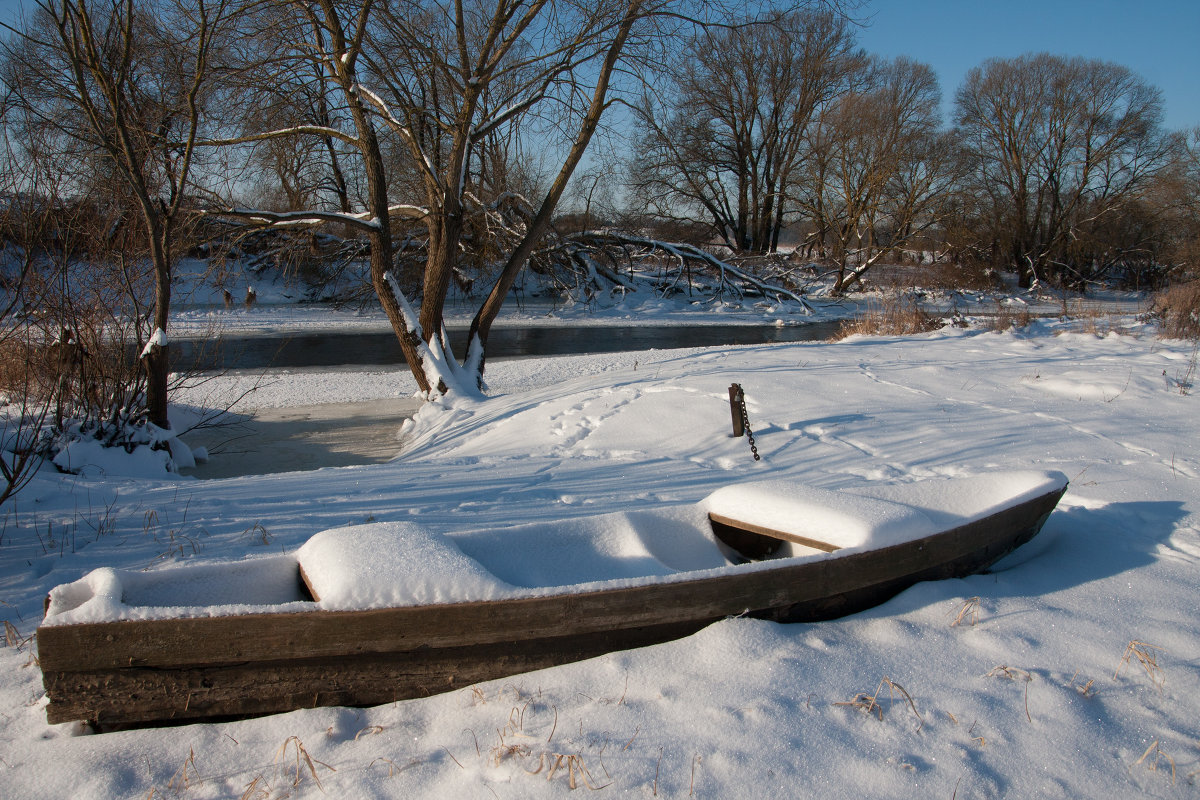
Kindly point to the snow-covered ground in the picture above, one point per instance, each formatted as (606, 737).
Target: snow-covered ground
(1073, 669)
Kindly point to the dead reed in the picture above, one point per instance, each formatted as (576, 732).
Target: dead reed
(1085, 689)
(577, 771)
(1185, 379)
(258, 533)
(298, 761)
(1177, 311)
(897, 315)
(1007, 318)
(257, 789)
(1158, 756)
(187, 774)
(968, 613)
(11, 637)
(1012, 674)
(1147, 656)
(869, 703)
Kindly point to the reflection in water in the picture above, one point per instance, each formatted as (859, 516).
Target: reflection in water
(382, 349)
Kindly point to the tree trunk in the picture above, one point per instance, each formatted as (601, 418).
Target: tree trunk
(409, 341)
(156, 358)
(444, 240)
(381, 250)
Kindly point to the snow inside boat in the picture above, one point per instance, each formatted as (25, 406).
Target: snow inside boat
(374, 613)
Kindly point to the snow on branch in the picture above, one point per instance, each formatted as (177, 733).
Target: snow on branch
(286, 218)
(294, 130)
(401, 128)
(682, 253)
(363, 221)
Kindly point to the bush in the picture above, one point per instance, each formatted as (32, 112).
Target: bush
(898, 316)
(1178, 311)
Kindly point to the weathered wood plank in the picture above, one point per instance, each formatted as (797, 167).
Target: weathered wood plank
(769, 533)
(115, 698)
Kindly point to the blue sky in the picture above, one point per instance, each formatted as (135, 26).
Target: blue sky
(1158, 39)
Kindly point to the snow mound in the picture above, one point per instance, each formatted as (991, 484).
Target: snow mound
(190, 590)
(389, 564)
(838, 518)
(964, 499)
(877, 516)
(586, 552)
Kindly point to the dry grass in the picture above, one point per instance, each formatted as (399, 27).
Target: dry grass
(1012, 674)
(11, 637)
(392, 767)
(1087, 689)
(869, 703)
(577, 771)
(257, 789)
(535, 759)
(898, 315)
(14, 639)
(298, 761)
(1158, 757)
(1184, 380)
(1091, 320)
(1147, 656)
(968, 613)
(28, 369)
(187, 774)
(1178, 311)
(550, 761)
(258, 533)
(370, 730)
(539, 736)
(1007, 319)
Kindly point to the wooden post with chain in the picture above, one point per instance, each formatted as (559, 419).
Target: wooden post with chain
(741, 419)
(736, 400)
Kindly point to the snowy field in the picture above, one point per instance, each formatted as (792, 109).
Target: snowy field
(1073, 669)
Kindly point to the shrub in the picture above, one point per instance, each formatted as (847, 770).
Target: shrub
(1178, 311)
(899, 315)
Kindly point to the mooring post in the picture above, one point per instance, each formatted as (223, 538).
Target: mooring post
(737, 399)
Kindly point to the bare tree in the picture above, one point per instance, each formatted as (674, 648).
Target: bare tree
(1055, 144)
(723, 139)
(444, 81)
(24, 404)
(1178, 194)
(283, 84)
(880, 171)
(123, 83)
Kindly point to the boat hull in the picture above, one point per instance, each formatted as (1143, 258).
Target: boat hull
(123, 673)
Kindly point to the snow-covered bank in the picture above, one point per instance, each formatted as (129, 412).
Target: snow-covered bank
(1033, 693)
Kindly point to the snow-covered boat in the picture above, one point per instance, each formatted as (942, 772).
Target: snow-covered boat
(369, 614)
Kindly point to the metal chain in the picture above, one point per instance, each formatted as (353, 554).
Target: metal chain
(749, 433)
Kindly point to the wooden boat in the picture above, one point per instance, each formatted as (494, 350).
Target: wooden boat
(371, 614)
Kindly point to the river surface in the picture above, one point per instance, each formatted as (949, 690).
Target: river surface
(382, 349)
